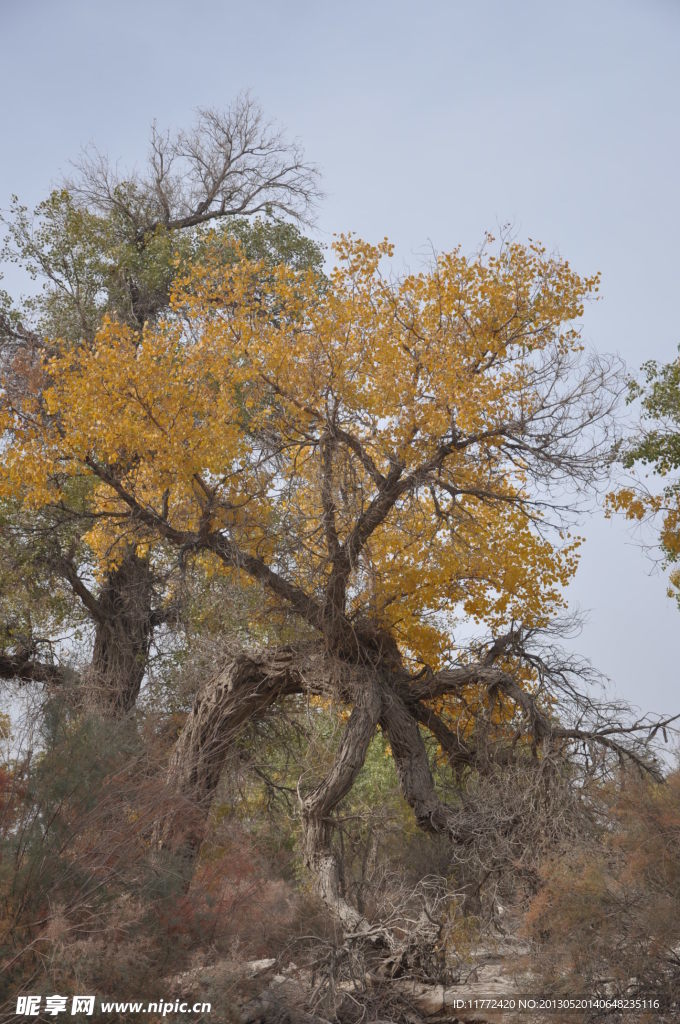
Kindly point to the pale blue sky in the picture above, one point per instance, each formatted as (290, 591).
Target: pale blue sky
(432, 122)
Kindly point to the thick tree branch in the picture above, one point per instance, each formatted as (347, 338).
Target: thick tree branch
(413, 771)
(243, 690)
(70, 574)
(26, 669)
(316, 809)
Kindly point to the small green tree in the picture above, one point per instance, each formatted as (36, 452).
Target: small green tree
(656, 445)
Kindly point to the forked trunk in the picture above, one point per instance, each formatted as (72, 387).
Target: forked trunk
(244, 690)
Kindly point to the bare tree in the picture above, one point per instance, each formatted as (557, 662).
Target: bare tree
(231, 163)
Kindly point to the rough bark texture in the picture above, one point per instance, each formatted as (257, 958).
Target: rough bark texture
(241, 692)
(317, 807)
(244, 690)
(413, 770)
(123, 631)
(380, 693)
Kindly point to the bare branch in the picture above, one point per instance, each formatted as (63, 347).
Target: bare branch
(232, 163)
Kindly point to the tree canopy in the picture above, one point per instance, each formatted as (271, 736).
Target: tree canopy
(368, 450)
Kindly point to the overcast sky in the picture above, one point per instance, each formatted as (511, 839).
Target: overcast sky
(431, 122)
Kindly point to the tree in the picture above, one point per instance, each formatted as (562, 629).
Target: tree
(379, 459)
(657, 444)
(107, 244)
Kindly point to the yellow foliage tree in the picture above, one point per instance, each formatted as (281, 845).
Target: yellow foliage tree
(368, 449)
(377, 455)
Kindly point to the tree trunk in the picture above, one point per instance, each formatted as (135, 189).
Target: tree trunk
(317, 807)
(413, 771)
(123, 630)
(242, 691)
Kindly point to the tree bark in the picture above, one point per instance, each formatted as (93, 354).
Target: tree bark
(317, 807)
(123, 631)
(413, 771)
(242, 691)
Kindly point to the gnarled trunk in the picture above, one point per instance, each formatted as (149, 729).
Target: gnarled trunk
(123, 631)
(379, 695)
(413, 770)
(244, 690)
(241, 692)
(317, 807)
